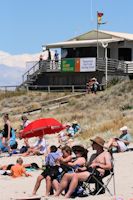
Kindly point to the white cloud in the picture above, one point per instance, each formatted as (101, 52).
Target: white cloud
(12, 67)
(19, 60)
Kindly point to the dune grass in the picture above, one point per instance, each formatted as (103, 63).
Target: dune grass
(102, 114)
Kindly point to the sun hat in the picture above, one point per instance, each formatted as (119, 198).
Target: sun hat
(78, 148)
(124, 128)
(93, 79)
(98, 140)
(74, 122)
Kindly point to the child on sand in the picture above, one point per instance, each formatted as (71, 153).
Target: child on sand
(19, 170)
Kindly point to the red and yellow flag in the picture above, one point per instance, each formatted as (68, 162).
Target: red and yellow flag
(99, 17)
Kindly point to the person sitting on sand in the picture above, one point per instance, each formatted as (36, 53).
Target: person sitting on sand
(69, 130)
(95, 85)
(25, 121)
(76, 127)
(39, 148)
(63, 138)
(28, 166)
(121, 143)
(101, 164)
(18, 170)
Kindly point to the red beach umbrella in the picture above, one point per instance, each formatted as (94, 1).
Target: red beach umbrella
(41, 127)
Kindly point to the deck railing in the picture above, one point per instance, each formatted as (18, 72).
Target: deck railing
(113, 65)
(129, 68)
(39, 67)
(46, 88)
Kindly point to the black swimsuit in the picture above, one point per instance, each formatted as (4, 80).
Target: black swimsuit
(5, 132)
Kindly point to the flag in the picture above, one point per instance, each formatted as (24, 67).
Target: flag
(99, 17)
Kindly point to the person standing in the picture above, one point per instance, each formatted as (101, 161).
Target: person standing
(56, 56)
(49, 55)
(41, 58)
(7, 132)
(40, 61)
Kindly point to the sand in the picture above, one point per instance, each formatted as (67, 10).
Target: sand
(11, 188)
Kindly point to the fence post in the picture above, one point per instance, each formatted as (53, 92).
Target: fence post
(126, 68)
(73, 89)
(48, 88)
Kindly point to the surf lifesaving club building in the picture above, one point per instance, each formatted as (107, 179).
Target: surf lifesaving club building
(81, 60)
(79, 54)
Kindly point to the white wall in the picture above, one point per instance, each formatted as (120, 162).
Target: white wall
(115, 46)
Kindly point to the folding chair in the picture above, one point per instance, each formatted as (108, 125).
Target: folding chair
(101, 185)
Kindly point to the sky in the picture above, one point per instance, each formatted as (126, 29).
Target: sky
(26, 25)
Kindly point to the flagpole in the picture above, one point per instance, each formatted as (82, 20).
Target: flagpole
(91, 11)
(97, 35)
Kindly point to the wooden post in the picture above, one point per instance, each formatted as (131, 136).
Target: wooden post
(126, 68)
(73, 89)
(48, 88)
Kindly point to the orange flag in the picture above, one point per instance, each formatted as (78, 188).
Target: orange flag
(99, 17)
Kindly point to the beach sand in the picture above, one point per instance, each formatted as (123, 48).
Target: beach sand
(13, 188)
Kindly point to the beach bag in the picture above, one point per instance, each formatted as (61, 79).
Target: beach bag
(23, 149)
(34, 166)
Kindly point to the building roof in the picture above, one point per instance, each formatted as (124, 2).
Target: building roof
(126, 36)
(91, 38)
(80, 43)
(104, 34)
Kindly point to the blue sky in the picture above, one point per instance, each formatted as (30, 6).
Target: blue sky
(25, 25)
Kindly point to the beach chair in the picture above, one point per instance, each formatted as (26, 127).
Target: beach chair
(101, 183)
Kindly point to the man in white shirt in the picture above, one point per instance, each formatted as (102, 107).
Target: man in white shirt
(120, 144)
(39, 148)
(40, 145)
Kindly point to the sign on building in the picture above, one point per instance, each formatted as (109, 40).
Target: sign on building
(87, 64)
(78, 65)
(68, 65)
